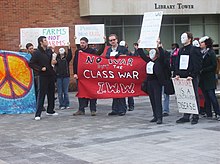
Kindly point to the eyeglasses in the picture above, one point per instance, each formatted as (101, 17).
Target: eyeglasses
(112, 40)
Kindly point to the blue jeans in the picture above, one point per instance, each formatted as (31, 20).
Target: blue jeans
(62, 89)
(210, 99)
(166, 101)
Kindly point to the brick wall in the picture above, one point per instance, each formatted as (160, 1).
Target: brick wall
(16, 14)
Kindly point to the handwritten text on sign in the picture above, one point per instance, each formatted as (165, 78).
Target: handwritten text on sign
(110, 78)
(150, 29)
(94, 32)
(56, 36)
(185, 94)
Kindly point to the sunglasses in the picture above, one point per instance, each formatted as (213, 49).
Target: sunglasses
(112, 40)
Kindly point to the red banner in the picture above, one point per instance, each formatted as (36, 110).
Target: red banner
(110, 78)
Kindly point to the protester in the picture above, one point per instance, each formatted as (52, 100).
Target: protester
(154, 81)
(115, 50)
(207, 81)
(83, 102)
(135, 53)
(189, 69)
(41, 61)
(130, 99)
(169, 66)
(63, 76)
(173, 55)
(30, 50)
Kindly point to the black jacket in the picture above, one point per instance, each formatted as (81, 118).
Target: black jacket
(194, 64)
(158, 72)
(120, 49)
(42, 58)
(62, 66)
(88, 50)
(207, 77)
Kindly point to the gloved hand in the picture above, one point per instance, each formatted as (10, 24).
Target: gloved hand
(116, 56)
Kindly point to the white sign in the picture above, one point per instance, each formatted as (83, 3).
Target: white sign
(150, 67)
(95, 33)
(184, 62)
(56, 36)
(150, 29)
(186, 99)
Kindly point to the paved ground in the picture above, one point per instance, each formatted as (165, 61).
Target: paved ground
(129, 139)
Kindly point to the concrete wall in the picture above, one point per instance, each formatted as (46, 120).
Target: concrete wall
(138, 7)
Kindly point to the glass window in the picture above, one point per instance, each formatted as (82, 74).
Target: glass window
(196, 20)
(132, 20)
(167, 20)
(132, 35)
(197, 31)
(213, 32)
(181, 20)
(211, 19)
(113, 20)
(96, 20)
(166, 36)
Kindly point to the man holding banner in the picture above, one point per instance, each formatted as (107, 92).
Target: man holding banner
(118, 104)
(83, 102)
(188, 65)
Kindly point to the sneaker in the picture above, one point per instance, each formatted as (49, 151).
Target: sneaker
(165, 114)
(182, 120)
(93, 113)
(194, 121)
(112, 114)
(79, 112)
(52, 114)
(67, 107)
(218, 117)
(62, 108)
(37, 118)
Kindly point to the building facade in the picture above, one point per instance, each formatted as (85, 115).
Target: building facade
(124, 18)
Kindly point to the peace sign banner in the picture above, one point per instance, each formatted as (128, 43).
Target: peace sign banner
(16, 83)
(103, 78)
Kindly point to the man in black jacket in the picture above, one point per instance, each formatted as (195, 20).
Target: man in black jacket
(83, 102)
(118, 104)
(189, 70)
(42, 62)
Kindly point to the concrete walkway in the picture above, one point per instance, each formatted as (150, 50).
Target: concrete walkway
(102, 139)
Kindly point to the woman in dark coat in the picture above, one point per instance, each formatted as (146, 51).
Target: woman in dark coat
(207, 77)
(63, 76)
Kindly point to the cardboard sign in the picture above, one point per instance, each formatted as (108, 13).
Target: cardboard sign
(186, 99)
(93, 32)
(150, 29)
(56, 36)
